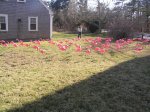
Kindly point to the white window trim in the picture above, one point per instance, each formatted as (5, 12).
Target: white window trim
(21, 1)
(6, 16)
(29, 22)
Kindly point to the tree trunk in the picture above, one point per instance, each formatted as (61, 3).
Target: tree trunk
(99, 14)
(147, 17)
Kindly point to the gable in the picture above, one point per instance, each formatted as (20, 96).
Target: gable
(50, 12)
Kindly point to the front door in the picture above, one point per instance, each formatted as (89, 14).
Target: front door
(19, 28)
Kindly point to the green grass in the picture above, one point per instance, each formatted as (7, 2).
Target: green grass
(63, 35)
(66, 35)
(74, 82)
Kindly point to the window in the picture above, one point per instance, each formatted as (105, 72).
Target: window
(33, 23)
(3, 22)
(21, 0)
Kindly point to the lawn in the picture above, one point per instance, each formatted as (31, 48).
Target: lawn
(71, 75)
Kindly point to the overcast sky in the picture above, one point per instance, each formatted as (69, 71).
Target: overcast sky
(92, 3)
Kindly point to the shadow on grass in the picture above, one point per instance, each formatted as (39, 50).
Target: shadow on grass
(122, 88)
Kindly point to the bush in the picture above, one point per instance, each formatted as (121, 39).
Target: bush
(121, 29)
(93, 26)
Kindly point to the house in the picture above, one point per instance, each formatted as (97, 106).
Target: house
(25, 19)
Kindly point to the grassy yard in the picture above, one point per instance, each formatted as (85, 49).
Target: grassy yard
(71, 81)
(67, 35)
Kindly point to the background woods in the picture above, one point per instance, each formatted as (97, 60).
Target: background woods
(122, 19)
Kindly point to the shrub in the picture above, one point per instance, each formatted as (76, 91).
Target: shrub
(120, 29)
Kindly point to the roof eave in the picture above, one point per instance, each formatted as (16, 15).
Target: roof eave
(50, 11)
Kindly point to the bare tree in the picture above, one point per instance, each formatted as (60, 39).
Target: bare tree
(103, 12)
